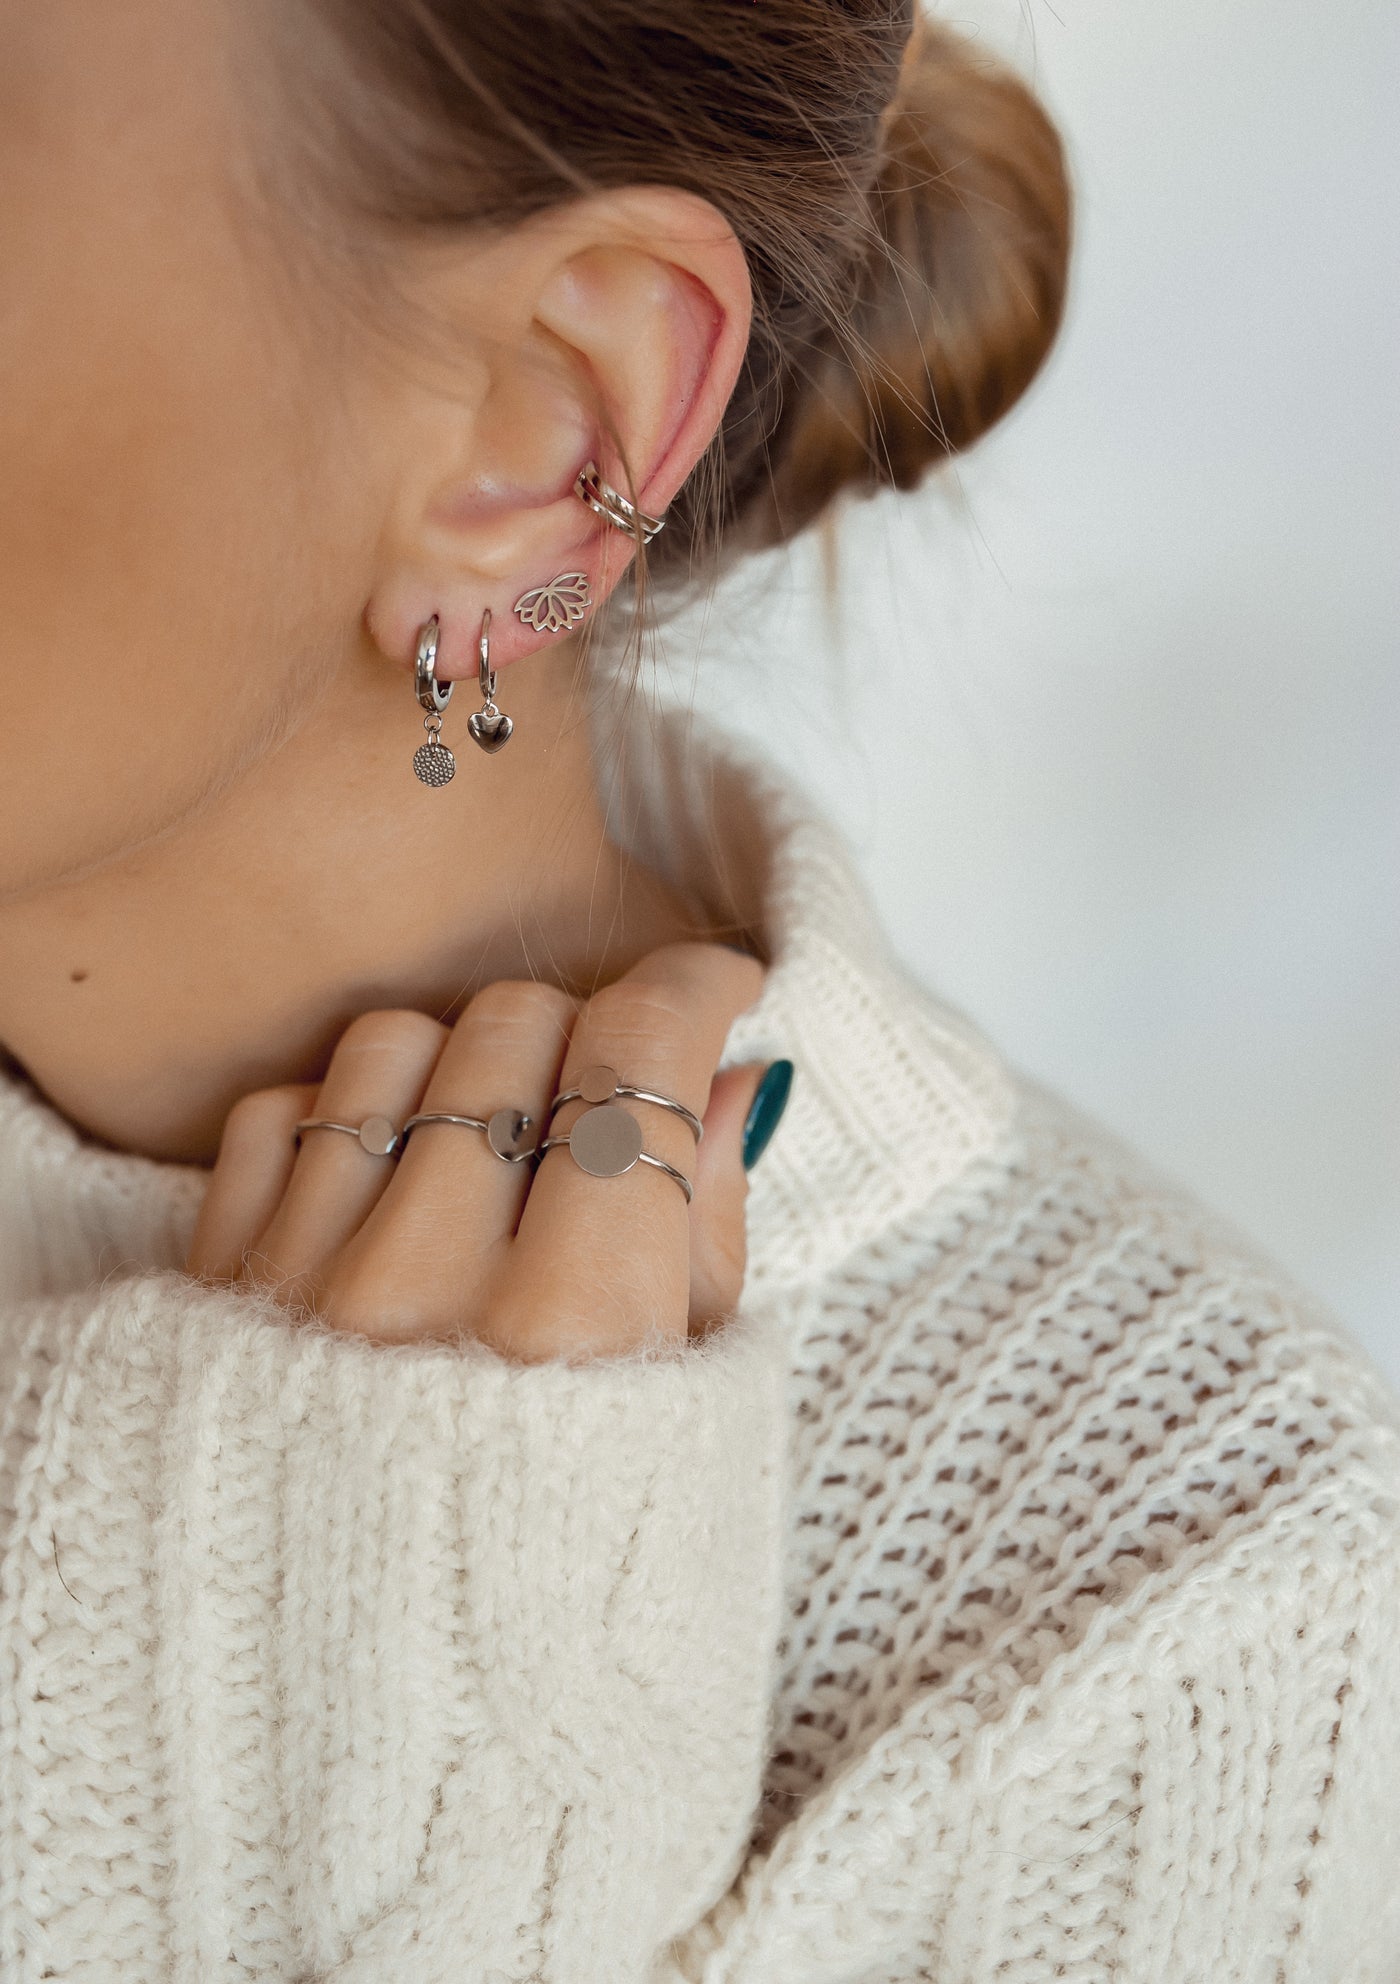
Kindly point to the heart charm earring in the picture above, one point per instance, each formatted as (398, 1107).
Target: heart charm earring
(490, 727)
(432, 761)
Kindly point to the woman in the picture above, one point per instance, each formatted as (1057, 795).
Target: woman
(495, 1527)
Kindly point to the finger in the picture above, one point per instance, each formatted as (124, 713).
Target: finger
(717, 1235)
(607, 1260)
(453, 1204)
(251, 1172)
(380, 1067)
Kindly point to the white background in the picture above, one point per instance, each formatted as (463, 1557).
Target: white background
(1112, 710)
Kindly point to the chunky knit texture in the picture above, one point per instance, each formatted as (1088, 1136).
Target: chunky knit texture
(1009, 1590)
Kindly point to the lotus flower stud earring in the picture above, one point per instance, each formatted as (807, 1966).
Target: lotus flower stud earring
(561, 604)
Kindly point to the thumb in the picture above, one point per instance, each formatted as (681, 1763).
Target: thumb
(744, 1108)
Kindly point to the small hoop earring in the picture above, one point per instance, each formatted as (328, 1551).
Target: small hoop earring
(611, 504)
(490, 727)
(433, 762)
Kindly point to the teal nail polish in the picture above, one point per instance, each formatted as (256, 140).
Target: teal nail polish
(766, 1111)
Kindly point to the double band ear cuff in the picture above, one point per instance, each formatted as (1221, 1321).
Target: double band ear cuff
(612, 505)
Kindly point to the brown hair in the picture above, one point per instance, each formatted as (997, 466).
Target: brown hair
(901, 198)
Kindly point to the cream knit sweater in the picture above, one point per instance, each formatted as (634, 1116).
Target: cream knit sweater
(1010, 1590)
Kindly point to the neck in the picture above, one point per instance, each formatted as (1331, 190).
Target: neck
(229, 955)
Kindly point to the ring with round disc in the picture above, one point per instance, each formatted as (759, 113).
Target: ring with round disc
(379, 1136)
(597, 1084)
(511, 1134)
(606, 1141)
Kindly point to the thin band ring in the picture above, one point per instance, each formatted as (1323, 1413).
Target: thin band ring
(642, 1157)
(509, 1131)
(600, 1085)
(611, 504)
(376, 1134)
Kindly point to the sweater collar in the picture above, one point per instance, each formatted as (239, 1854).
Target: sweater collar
(895, 1093)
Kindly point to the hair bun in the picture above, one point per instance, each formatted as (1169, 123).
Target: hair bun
(957, 300)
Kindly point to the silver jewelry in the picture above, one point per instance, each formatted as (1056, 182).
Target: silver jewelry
(432, 761)
(562, 603)
(511, 1133)
(610, 503)
(607, 1141)
(490, 727)
(376, 1134)
(600, 1084)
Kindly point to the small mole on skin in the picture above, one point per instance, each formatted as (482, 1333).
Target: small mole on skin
(77, 976)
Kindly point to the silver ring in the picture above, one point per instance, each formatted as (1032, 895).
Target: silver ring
(600, 1084)
(510, 1132)
(606, 1141)
(376, 1134)
(612, 505)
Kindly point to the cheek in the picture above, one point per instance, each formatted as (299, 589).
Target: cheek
(166, 541)
(156, 569)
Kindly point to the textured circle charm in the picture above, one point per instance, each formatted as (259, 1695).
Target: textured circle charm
(598, 1084)
(606, 1141)
(434, 763)
(511, 1134)
(379, 1136)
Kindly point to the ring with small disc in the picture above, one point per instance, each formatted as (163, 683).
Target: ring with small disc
(512, 1134)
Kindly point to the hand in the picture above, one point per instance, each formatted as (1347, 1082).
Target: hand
(537, 1259)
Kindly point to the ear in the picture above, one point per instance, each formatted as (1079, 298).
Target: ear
(612, 329)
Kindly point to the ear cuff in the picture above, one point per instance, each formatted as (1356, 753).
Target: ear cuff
(612, 505)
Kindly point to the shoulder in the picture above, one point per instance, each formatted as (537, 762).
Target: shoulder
(74, 1210)
(1061, 1385)
(1093, 1583)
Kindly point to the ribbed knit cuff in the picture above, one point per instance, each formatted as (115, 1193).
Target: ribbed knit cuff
(365, 1656)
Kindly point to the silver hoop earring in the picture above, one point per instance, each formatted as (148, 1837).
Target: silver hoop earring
(432, 761)
(490, 727)
(611, 504)
(559, 605)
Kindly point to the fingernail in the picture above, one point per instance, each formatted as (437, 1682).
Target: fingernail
(766, 1111)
